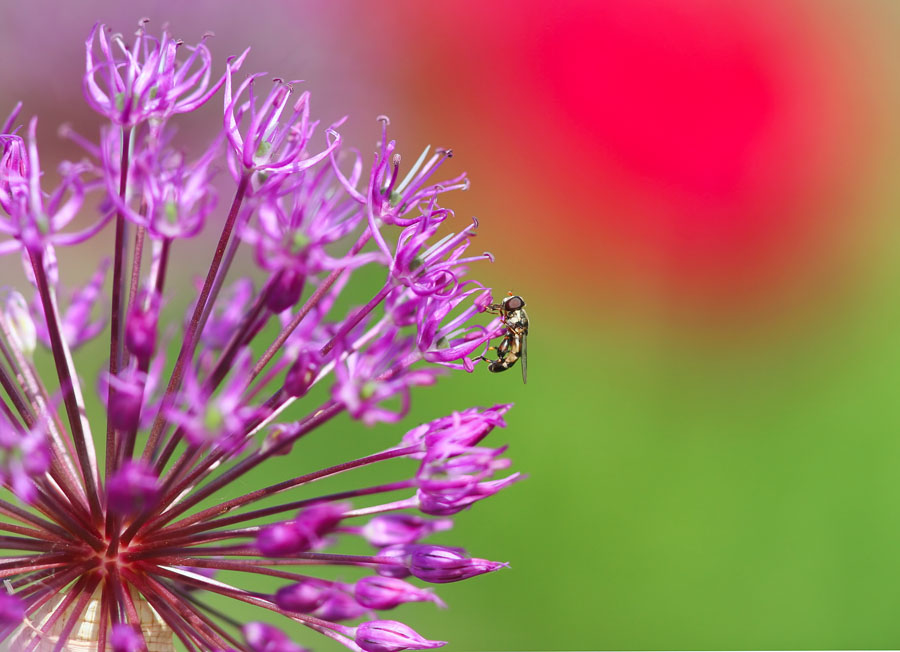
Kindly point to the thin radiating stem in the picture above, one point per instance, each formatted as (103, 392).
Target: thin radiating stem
(191, 336)
(68, 383)
(116, 307)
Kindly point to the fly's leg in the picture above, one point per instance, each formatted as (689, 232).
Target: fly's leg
(490, 348)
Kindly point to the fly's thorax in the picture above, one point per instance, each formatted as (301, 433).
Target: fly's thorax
(517, 321)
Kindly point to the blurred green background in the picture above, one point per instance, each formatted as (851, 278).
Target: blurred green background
(699, 202)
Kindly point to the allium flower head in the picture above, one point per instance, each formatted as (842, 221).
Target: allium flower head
(146, 81)
(119, 548)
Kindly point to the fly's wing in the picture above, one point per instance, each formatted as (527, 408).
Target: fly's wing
(524, 358)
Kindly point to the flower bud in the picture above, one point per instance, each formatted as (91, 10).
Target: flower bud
(302, 373)
(339, 606)
(392, 529)
(440, 564)
(285, 290)
(124, 638)
(132, 488)
(391, 636)
(396, 561)
(318, 520)
(265, 638)
(12, 609)
(126, 399)
(140, 329)
(280, 539)
(387, 592)
(303, 597)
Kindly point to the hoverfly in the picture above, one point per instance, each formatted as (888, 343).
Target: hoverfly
(514, 344)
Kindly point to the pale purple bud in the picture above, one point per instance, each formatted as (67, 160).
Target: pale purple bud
(300, 376)
(303, 597)
(127, 398)
(132, 488)
(316, 521)
(280, 539)
(439, 564)
(391, 636)
(124, 638)
(391, 529)
(305, 532)
(140, 328)
(266, 638)
(396, 561)
(274, 440)
(340, 606)
(285, 290)
(388, 592)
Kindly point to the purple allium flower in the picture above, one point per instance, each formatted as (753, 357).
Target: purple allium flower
(135, 538)
(146, 81)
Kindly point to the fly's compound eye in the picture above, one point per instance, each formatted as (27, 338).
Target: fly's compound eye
(513, 303)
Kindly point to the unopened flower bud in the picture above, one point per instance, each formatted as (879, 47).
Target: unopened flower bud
(396, 561)
(124, 638)
(280, 539)
(126, 400)
(140, 329)
(391, 529)
(285, 291)
(132, 488)
(377, 592)
(339, 606)
(302, 373)
(316, 521)
(12, 609)
(439, 564)
(265, 638)
(391, 636)
(303, 597)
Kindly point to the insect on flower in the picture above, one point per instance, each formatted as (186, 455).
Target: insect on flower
(515, 343)
(122, 552)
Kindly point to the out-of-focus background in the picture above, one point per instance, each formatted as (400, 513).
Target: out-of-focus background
(700, 202)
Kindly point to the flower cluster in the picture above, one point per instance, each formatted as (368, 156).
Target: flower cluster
(116, 552)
